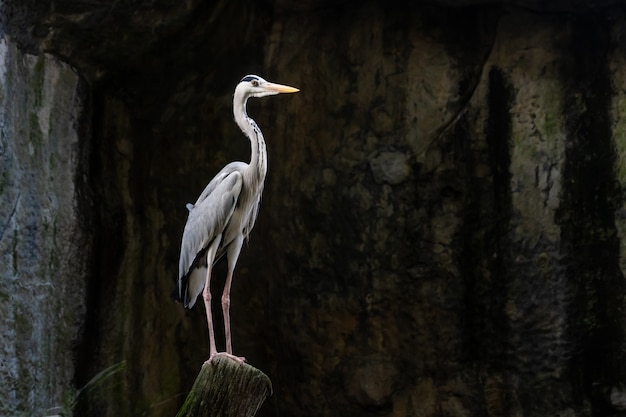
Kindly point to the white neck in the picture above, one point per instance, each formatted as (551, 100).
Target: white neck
(257, 168)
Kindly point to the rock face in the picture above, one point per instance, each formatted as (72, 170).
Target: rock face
(442, 224)
(44, 247)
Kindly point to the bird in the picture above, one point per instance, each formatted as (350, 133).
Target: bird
(223, 216)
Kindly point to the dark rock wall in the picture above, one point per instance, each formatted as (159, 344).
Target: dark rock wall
(44, 244)
(441, 228)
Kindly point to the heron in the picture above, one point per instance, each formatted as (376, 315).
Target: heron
(224, 214)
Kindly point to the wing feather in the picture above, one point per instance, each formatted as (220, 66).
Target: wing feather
(219, 178)
(210, 215)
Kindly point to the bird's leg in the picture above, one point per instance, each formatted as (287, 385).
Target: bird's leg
(233, 254)
(226, 310)
(206, 294)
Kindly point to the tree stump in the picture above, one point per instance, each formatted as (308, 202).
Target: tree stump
(225, 387)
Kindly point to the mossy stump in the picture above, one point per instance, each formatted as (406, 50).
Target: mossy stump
(226, 388)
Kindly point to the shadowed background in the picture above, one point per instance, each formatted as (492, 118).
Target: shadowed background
(441, 227)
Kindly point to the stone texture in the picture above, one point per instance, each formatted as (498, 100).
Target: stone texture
(442, 224)
(389, 166)
(44, 249)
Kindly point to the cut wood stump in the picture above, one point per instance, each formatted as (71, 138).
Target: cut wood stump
(226, 388)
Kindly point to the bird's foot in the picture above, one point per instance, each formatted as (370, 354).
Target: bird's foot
(240, 359)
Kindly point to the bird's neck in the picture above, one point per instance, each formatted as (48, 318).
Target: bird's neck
(258, 159)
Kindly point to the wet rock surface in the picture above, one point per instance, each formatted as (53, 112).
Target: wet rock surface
(44, 244)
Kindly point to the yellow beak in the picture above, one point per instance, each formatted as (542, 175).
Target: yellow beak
(279, 88)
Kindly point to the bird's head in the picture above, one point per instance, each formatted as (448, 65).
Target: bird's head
(255, 86)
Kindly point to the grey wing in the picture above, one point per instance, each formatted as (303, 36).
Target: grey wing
(218, 179)
(208, 217)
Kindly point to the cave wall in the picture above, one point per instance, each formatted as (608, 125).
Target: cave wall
(442, 223)
(462, 217)
(44, 247)
(434, 272)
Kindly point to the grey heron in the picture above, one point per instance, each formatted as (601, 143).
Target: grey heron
(224, 214)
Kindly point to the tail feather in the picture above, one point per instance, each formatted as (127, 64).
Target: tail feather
(189, 287)
(194, 286)
(176, 293)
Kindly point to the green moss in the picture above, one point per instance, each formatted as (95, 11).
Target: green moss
(14, 251)
(54, 262)
(552, 121)
(22, 324)
(4, 181)
(49, 234)
(37, 92)
(35, 134)
(619, 138)
(39, 73)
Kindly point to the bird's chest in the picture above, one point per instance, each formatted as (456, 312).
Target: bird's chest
(238, 220)
(242, 218)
